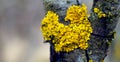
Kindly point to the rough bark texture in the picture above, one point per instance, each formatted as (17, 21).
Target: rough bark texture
(103, 30)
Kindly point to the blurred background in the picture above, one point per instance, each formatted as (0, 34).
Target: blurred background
(20, 37)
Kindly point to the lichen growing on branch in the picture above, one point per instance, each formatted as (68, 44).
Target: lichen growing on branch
(67, 38)
(99, 13)
(69, 29)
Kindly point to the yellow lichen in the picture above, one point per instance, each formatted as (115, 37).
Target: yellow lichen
(99, 13)
(96, 10)
(76, 13)
(90, 60)
(68, 37)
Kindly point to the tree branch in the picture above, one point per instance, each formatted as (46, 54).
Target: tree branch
(103, 30)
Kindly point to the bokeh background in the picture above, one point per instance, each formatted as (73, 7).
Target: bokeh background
(20, 37)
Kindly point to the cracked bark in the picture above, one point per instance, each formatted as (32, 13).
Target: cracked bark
(103, 30)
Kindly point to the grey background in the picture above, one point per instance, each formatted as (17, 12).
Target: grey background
(20, 36)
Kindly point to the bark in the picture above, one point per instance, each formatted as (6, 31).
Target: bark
(103, 30)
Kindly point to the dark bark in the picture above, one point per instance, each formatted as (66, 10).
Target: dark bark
(103, 30)
(75, 56)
